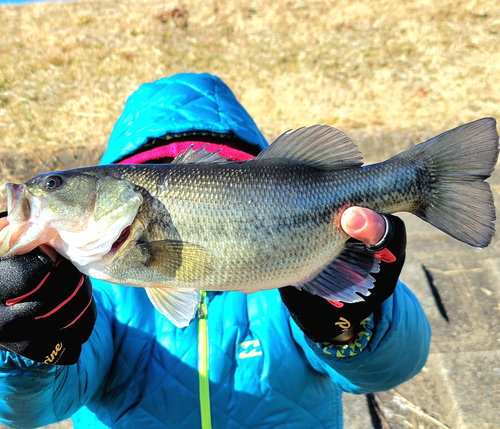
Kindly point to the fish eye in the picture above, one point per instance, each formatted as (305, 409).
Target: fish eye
(52, 182)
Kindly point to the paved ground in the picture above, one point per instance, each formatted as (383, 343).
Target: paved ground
(459, 387)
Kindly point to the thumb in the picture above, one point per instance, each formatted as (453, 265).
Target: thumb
(363, 224)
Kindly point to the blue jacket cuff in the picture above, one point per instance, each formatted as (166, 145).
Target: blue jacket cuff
(397, 350)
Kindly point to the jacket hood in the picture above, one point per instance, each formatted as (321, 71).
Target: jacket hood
(182, 103)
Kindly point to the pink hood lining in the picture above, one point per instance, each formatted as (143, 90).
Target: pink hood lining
(173, 149)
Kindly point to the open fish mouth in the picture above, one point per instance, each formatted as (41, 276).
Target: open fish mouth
(19, 209)
(18, 204)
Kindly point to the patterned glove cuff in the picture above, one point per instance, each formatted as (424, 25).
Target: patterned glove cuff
(355, 345)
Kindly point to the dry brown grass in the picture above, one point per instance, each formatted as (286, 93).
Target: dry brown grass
(387, 73)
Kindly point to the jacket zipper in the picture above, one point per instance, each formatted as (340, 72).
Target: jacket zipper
(206, 419)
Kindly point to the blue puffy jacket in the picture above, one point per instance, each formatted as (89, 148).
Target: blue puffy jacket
(139, 371)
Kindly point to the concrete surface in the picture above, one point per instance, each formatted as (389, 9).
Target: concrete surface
(459, 387)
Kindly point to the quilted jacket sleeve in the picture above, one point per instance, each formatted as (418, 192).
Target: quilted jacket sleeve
(35, 394)
(397, 351)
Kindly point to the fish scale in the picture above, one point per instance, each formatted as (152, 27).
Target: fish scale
(203, 223)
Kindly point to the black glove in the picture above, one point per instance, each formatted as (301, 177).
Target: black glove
(323, 321)
(46, 309)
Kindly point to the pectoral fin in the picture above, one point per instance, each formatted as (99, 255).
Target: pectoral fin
(177, 259)
(346, 276)
(178, 305)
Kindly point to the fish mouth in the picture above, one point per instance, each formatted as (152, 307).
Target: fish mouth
(122, 238)
(18, 205)
(14, 193)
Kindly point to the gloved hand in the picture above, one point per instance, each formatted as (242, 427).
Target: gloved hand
(46, 308)
(323, 321)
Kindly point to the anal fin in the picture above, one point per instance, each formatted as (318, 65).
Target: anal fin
(178, 305)
(347, 276)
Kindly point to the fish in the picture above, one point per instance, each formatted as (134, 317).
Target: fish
(206, 223)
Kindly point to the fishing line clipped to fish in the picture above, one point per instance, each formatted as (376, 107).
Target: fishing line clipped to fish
(204, 223)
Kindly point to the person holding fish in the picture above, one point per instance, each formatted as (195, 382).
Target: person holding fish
(191, 208)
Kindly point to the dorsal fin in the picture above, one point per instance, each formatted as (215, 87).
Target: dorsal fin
(192, 156)
(319, 145)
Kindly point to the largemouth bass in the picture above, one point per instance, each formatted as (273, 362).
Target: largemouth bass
(202, 223)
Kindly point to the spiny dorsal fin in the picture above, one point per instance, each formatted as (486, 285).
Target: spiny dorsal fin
(320, 145)
(192, 156)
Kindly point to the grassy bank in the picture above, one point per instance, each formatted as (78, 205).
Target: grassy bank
(388, 75)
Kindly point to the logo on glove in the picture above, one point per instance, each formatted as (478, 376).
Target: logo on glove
(54, 354)
(344, 324)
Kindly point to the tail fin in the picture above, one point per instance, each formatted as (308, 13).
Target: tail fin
(458, 161)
